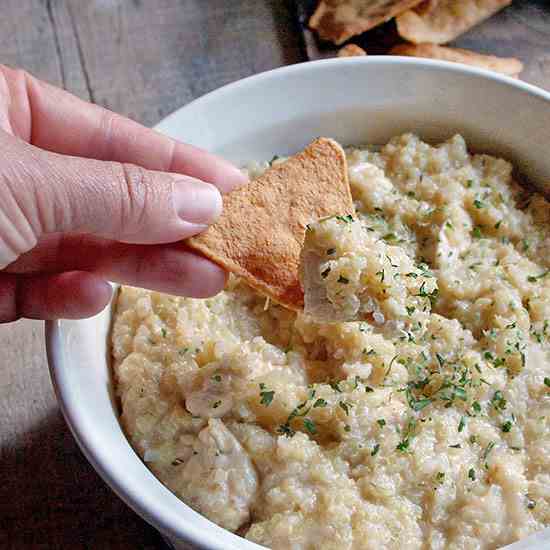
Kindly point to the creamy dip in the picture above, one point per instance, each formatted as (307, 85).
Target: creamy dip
(427, 429)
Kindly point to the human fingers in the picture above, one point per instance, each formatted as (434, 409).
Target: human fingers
(57, 121)
(168, 268)
(43, 193)
(72, 295)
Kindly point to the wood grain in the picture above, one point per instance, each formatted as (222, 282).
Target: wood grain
(144, 59)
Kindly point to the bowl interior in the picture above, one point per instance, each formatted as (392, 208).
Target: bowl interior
(353, 100)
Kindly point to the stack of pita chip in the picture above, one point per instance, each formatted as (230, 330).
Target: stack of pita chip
(424, 24)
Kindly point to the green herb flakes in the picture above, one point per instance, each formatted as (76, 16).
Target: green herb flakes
(345, 406)
(403, 446)
(309, 425)
(478, 204)
(507, 426)
(266, 396)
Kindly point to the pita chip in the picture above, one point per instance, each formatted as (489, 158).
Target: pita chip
(440, 21)
(260, 233)
(338, 20)
(505, 65)
(351, 50)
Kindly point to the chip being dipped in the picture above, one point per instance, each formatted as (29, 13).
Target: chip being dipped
(261, 231)
(348, 274)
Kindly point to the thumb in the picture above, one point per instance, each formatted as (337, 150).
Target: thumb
(42, 192)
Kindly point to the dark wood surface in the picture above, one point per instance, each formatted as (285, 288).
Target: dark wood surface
(142, 58)
(145, 58)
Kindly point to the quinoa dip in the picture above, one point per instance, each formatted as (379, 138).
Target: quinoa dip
(424, 426)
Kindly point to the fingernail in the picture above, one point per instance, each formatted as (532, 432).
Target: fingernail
(197, 201)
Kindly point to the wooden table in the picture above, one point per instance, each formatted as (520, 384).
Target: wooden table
(142, 58)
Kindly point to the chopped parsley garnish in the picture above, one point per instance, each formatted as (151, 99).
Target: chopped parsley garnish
(498, 401)
(285, 429)
(461, 424)
(472, 474)
(375, 450)
(390, 237)
(507, 426)
(547, 381)
(416, 404)
(345, 406)
(476, 232)
(343, 280)
(266, 396)
(498, 224)
(403, 446)
(432, 296)
(382, 275)
(319, 403)
(535, 278)
(440, 477)
(381, 422)
(216, 404)
(469, 183)
(183, 351)
(410, 310)
(217, 378)
(368, 389)
(478, 204)
(163, 332)
(348, 218)
(408, 434)
(309, 425)
(325, 273)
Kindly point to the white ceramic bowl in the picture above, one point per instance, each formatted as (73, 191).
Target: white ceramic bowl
(354, 100)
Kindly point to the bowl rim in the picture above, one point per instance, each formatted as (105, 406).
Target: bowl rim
(172, 525)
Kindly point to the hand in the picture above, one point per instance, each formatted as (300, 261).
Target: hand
(88, 196)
